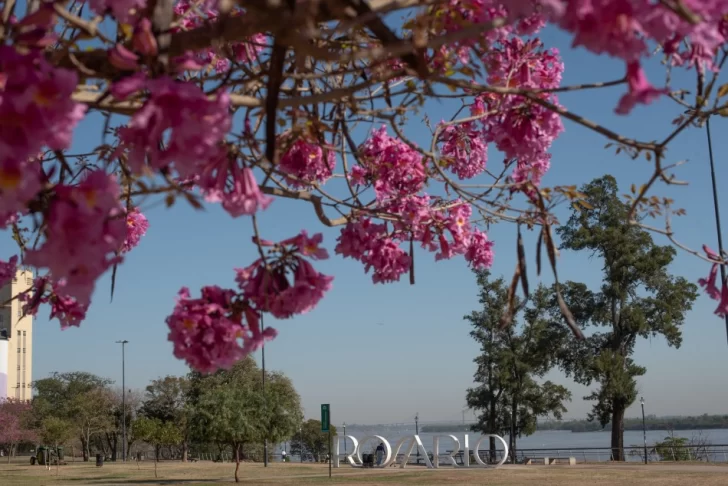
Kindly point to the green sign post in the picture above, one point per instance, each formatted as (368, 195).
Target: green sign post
(325, 417)
(326, 427)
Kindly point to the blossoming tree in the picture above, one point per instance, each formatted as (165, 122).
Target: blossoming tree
(205, 100)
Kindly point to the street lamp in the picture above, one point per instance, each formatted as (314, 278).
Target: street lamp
(123, 399)
(300, 431)
(417, 432)
(265, 399)
(344, 438)
(644, 429)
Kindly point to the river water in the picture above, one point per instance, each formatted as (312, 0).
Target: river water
(562, 442)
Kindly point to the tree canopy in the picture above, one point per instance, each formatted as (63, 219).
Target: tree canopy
(638, 298)
(508, 393)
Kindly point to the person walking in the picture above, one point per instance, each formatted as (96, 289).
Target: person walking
(380, 453)
(283, 456)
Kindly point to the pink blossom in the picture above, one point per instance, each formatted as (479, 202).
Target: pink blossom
(8, 270)
(120, 9)
(222, 180)
(122, 58)
(196, 126)
(310, 247)
(722, 309)
(206, 332)
(20, 182)
(136, 227)
(268, 286)
(36, 108)
(307, 162)
(396, 168)
(480, 251)
(84, 230)
(709, 284)
(370, 244)
(640, 90)
(65, 308)
(464, 150)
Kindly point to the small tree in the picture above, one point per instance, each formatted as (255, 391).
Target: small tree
(15, 424)
(156, 433)
(56, 431)
(310, 439)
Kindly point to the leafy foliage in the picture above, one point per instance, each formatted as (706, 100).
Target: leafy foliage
(508, 395)
(310, 440)
(638, 298)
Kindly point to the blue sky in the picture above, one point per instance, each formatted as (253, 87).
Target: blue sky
(420, 358)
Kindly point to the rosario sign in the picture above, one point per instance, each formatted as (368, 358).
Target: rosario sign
(412, 441)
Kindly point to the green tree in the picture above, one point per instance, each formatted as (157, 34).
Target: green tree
(156, 433)
(56, 432)
(166, 400)
(638, 298)
(233, 416)
(310, 440)
(507, 394)
(81, 398)
(229, 407)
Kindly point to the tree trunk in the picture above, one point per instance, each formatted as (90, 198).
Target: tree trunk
(618, 432)
(514, 421)
(184, 451)
(85, 447)
(491, 426)
(236, 448)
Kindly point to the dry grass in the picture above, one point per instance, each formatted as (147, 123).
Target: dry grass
(288, 474)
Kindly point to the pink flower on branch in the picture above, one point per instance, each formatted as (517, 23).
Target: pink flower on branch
(85, 228)
(222, 180)
(136, 227)
(710, 284)
(8, 270)
(286, 284)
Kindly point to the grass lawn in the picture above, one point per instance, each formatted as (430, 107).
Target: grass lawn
(80, 473)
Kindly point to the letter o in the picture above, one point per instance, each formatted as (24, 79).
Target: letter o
(477, 448)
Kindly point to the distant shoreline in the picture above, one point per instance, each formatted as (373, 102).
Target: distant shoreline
(703, 422)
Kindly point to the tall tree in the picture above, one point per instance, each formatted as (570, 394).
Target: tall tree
(166, 400)
(82, 398)
(638, 298)
(512, 358)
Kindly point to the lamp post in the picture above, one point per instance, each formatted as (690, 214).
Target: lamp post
(123, 399)
(345, 438)
(717, 211)
(300, 431)
(417, 432)
(265, 399)
(644, 428)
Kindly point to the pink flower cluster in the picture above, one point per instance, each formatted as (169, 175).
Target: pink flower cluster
(447, 231)
(223, 180)
(68, 310)
(223, 325)
(8, 270)
(85, 228)
(306, 161)
(193, 14)
(395, 169)
(36, 110)
(195, 125)
(136, 227)
(464, 150)
(710, 284)
(521, 128)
